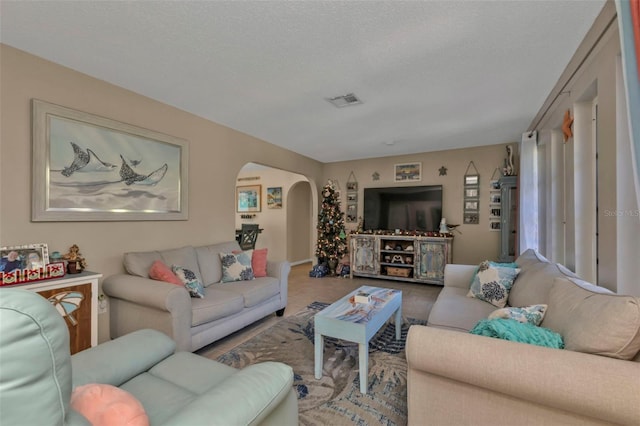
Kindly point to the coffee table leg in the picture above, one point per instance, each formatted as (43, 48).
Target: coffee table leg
(319, 348)
(363, 354)
(399, 323)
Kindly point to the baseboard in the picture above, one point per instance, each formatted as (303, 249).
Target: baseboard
(300, 262)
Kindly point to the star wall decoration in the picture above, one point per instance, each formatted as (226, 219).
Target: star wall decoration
(566, 126)
(375, 176)
(443, 171)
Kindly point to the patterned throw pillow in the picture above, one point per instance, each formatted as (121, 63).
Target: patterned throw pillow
(492, 284)
(236, 267)
(532, 314)
(258, 261)
(495, 265)
(190, 281)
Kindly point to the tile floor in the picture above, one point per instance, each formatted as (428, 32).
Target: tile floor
(417, 300)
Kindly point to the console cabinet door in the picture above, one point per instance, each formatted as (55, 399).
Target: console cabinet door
(364, 253)
(74, 304)
(432, 258)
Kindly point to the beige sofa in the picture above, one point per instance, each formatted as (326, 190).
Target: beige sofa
(457, 378)
(138, 302)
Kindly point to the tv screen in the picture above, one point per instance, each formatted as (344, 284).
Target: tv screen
(408, 208)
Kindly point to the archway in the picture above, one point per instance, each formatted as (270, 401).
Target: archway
(287, 227)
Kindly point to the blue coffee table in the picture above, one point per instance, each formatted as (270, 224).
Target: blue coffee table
(357, 322)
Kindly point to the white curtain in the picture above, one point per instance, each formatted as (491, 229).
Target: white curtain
(528, 187)
(629, 21)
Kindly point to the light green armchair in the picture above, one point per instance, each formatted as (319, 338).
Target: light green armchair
(38, 374)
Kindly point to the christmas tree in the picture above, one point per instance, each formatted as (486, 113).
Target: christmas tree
(332, 244)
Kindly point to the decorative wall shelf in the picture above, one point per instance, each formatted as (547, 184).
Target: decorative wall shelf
(352, 199)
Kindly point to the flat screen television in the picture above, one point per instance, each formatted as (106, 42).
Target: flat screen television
(408, 208)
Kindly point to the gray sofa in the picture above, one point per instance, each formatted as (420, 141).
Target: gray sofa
(457, 378)
(38, 375)
(137, 302)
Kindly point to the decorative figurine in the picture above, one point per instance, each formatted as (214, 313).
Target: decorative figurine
(444, 229)
(75, 262)
(509, 169)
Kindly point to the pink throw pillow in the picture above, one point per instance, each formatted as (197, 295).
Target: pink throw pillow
(161, 272)
(106, 405)
(258, 261)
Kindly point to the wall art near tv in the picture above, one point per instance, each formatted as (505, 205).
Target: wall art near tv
(91, 168)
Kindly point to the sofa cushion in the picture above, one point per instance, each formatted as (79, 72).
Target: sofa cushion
(236, 267)
(593, 320)
(217, 303)
(201, 375)
(209, 260)
(160, 398)
(190, 281)
(534, 282)
(139, 263)
(255, 291)
(455, 311)
(185, 257)
(493, 283)
(532, 314)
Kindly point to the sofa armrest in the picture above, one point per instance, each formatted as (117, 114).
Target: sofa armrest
(458, 275)
(244, 398)
(280, 270)
(589, 385)
(119, 360)
(138, 303)
(147, 292)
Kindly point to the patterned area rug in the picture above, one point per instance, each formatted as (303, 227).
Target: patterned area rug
(335, 399)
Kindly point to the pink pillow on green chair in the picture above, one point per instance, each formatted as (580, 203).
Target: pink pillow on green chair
(161, 272)
(106, 405)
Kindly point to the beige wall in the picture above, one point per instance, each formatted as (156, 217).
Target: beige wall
(217, 154)
(474, 243)
(301, 221)
(275, 223)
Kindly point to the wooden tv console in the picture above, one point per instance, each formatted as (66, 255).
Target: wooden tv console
(412, 258)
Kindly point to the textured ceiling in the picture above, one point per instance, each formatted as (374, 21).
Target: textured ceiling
(432, 75)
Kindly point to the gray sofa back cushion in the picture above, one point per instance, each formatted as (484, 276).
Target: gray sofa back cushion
(138, 263)
(209, 260)
(594, 320)
(183, 256)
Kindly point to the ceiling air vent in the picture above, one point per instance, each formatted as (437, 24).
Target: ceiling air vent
(345, 100)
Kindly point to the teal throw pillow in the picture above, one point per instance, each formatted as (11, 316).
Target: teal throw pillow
(236, 267)
(532, 314)
(515, 331)
(190, 281)
(492, 284)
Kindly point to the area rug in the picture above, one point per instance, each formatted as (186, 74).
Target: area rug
(335, 399)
